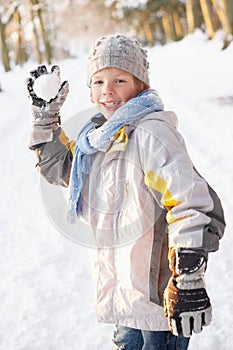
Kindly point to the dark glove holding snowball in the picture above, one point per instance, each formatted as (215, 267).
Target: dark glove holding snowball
(186, 302)
(47, 95)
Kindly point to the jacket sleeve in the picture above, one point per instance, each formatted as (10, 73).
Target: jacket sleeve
(55, 158)
(194, 212)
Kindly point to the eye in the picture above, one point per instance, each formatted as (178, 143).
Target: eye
(119, 81)
(98, 82)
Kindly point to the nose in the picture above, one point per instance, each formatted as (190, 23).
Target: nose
(108, 89)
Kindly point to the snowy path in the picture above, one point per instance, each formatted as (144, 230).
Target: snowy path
(46, 290)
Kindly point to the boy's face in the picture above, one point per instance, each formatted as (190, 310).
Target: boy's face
(110, 89)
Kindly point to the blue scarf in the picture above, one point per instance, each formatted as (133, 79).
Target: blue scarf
(91, 140)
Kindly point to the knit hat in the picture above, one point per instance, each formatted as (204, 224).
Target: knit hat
(121, 52)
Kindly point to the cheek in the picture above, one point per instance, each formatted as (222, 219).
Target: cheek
(132, 94)
(91, 96)
(95, 95)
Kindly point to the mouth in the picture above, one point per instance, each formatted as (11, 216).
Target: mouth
(111, 104)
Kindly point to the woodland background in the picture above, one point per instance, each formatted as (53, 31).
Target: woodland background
(42, 30)
(46, 289)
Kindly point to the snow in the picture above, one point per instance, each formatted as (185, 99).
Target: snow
(46, 290)
(46, 86)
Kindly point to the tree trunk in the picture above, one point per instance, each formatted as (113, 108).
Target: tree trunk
(206, 11)
(193, 14)
(228, 25)
(148, 33)
(4, 48)
(159, 32)
(21, 54)
(177, 25)
(48, 48)
(228, 10)
(224, 9)
(36, 11)
(36, 36)
(168, 26)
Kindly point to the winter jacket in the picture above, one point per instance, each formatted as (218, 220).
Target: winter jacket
(139, 203)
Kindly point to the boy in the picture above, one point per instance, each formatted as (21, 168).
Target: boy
(155, 219)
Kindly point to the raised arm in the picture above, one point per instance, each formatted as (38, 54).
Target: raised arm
(53, 148)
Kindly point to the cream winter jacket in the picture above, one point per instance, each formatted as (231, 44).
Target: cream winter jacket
(139, 202)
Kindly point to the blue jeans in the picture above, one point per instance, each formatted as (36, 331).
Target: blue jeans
(125, 338)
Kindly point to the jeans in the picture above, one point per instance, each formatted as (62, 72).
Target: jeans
(125, 338)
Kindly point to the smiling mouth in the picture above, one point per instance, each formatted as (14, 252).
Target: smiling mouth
(110, 104)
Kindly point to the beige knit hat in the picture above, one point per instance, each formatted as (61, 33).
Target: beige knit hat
(121, 52)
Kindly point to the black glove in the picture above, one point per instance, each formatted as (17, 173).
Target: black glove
(45, 114)
(186, 302)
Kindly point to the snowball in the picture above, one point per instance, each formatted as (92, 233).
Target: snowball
(46, 86)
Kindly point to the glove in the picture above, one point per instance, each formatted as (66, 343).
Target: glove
(186, 302)
(45, 114)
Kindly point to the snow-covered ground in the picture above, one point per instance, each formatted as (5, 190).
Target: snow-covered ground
(46, 291)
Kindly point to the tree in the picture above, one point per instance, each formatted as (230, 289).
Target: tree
(224, 9)
(36, 39)
(194, 15)
(208, 17)
(156, 21)
(4, 47)
(37, 8)
(20, 54)
(6, 15)
(172, 15)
